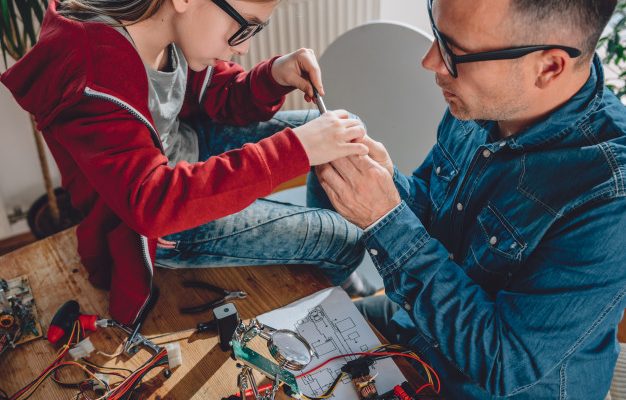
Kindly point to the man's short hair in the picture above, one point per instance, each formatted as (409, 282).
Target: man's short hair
(585, 19)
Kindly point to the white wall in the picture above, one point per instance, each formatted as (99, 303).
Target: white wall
(412, 12)
(20, 176)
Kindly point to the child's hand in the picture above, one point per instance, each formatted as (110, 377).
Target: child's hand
(330, 137)
(296, 69)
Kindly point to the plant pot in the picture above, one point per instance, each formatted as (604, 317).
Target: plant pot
(40, 219)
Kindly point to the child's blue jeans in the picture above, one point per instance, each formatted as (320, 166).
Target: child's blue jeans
(267, 232)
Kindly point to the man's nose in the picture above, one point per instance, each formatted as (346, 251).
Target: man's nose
(433, 61)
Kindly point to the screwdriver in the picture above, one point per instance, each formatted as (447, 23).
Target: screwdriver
(200, 328)
(318, 100)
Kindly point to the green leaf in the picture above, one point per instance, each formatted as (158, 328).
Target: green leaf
(12, 35)
(5, 13)
(26, 13)
(39, 8)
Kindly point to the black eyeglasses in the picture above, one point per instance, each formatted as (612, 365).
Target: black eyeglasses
(451, 60)
(247, 29)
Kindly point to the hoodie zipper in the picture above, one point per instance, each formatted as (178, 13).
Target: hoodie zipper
(143, 241)
(205, 84)
(99, 95)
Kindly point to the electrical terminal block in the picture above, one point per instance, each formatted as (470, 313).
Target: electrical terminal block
(82, 349)
(174, 355)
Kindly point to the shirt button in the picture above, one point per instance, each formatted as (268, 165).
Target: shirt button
(374, 252)
(486, 153)
(451, 256)
(407, 306)
(459, 207)
(438, 170)
(493, 240)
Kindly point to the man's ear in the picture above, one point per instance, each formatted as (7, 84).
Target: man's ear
(550, 66)
(180, 6)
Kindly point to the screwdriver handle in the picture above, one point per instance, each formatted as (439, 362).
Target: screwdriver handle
(206, 326)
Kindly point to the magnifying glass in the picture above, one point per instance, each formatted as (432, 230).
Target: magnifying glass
(289, 349)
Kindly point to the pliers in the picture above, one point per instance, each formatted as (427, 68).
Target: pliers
(226, 296)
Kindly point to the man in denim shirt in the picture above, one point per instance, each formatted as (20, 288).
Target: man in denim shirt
(504, 253)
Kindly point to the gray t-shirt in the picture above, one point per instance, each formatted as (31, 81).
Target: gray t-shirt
(165, 100)
(166, 97)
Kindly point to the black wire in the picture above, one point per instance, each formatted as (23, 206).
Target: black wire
(129, 392)
(69, 385)
(330, 390)
(110, 368)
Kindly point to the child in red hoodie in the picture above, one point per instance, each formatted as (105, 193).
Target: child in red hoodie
(148, 122)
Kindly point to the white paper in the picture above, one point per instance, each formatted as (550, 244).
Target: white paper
(332, 325)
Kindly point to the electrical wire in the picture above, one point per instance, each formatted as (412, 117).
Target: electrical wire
(121, 390)
(379, 353)
(27, 390)
(329, 392)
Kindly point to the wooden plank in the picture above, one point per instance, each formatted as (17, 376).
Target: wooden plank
(56, 276)
(621, 330)
(15, 242)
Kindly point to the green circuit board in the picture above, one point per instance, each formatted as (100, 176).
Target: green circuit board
(259, 363)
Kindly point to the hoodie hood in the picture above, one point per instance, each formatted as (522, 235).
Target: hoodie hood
(53, 75)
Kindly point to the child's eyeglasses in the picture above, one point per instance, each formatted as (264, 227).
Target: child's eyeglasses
(247, 30)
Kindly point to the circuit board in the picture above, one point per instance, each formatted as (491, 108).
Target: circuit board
(257, 362)
(19, 322)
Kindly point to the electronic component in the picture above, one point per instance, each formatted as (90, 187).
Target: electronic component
(227, 319)
(359, 372)
(19, 322)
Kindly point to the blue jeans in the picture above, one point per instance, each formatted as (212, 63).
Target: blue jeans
(267, 232)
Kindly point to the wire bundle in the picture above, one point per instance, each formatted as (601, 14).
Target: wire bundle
(121, 390)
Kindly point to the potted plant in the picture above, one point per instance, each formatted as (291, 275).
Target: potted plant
(19, 25)
(612, 47)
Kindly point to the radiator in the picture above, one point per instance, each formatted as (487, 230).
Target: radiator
(307, 23)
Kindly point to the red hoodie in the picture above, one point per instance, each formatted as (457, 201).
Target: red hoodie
(88, 90)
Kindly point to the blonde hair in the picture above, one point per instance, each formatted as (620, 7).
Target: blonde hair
(122, 10)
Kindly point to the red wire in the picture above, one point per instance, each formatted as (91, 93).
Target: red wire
(418, 391)
(45, 371)
(130, 381)
(382, 353)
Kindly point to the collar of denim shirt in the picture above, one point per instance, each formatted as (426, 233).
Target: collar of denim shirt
(563, 120)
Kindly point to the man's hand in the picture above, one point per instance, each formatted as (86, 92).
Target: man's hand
(378, 153)
(359, 188)
(299, 69)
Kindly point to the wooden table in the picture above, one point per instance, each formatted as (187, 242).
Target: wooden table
(56, 276)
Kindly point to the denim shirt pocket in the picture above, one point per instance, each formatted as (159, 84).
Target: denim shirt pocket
(443, 174)
(496, 253)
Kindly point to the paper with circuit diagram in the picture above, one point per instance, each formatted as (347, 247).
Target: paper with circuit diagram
(333, 326)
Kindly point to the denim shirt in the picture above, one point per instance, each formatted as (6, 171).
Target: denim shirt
(508, 255)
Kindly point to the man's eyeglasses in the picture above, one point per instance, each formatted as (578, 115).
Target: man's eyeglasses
(451, 60)
(247, 29)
